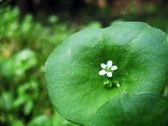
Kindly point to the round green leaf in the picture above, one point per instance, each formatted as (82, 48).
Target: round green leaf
(72, 71)
(145, 109)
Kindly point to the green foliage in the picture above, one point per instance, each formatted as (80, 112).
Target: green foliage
(77, 91)
(145, 109)
(19, 63)
(24, 47)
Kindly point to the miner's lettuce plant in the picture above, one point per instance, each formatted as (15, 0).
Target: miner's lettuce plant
(131, 89)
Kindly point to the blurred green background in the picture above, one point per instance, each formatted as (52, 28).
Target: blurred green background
(31, 29)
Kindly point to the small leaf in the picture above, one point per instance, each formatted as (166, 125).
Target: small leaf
(144, 109)
(28, 107)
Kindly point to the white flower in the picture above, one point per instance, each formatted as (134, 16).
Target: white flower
(108, 68)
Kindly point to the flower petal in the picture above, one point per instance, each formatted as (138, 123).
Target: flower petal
(102, 72)
(109, 74)
(103, 65)
(109, 63)
(114, 68)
